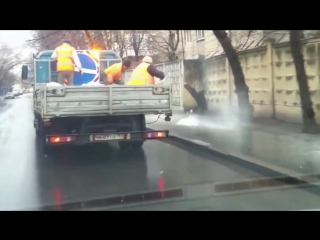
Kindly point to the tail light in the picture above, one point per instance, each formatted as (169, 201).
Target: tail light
(155, 135)
(62, 139)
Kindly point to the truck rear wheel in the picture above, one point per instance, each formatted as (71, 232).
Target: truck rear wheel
(41, 140)
(124, 146)
(136, 145)
(46, 149)
(38, 132)
(36, 125)
(138, 125)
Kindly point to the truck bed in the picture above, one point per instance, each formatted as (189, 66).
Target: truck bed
(72, 101)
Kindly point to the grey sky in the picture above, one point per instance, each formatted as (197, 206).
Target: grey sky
(16, 39)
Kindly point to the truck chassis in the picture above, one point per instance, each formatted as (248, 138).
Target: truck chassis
(129, 131)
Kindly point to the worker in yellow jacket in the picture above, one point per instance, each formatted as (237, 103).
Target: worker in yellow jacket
(144, 73)
(66, 57)
(114, 72)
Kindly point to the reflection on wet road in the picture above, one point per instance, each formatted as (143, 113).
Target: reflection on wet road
(28, 179)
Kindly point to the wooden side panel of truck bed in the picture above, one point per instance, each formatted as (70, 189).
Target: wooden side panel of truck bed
(59, 101)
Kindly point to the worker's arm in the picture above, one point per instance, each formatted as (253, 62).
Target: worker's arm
(76, 59)
(54, 55)
(108, 77)
(155, 72)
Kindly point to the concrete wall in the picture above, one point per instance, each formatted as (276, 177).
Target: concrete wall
(271, 78)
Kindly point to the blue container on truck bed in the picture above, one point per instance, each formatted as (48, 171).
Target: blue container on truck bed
(93, 62)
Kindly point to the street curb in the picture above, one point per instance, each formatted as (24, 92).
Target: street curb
(250, 162)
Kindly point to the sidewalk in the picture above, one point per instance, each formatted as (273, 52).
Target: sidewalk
(273, 142)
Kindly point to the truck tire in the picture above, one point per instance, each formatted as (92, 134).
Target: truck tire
(124, 146)
(47, 150)
(38, 132)
(139, 125)
(136, 145)
(41, 139)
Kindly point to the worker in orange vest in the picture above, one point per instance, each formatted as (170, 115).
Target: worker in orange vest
(144, 73)
(66, 57)
(114, 72)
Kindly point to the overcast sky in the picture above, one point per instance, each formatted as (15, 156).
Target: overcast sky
(16, 39)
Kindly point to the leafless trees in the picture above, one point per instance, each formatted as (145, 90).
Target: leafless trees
(165, 42)
(46, 39)
(125, 42)
(308, 114)
(8, 60)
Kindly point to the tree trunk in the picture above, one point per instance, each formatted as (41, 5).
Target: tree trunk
(242, 90)
(135, 45)
(89, 38)
(172, 56)
(308, 116)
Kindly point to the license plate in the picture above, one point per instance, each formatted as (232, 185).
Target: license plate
(107, 137)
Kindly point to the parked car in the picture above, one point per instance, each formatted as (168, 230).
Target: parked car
(16, 93)
(9, 95)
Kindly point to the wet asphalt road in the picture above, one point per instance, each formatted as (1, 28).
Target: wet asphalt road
(28, 179)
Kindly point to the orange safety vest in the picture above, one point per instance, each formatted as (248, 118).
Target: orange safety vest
(140, 76)
(64, 58)
(115, 70)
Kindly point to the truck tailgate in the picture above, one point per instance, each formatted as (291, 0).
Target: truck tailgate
(62, 101)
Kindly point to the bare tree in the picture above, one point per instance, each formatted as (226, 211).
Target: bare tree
(8, 60)
(77, 39)
(120, 41)
(242, 90)
(95, 39)
(89, 38)
(50, 39)
(165, 42)
(137, 39)
(9, 81)
(244, 39)
(47, 39)
(308, 115)
(107, 38)
(98, 39)
(248, 39)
